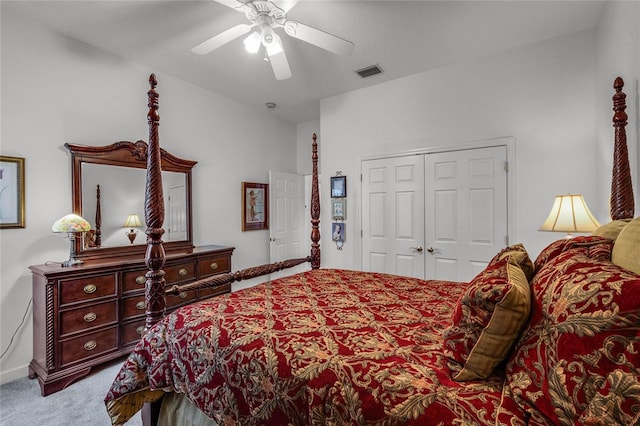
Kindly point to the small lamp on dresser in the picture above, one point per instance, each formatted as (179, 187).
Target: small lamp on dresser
(133, 221)
(72, 225)
(570, 214)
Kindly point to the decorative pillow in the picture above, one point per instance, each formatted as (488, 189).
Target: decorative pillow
(578, 360)
(591, 246)
(487, 320)
(520, 255)
(611, 229)
(627, 246)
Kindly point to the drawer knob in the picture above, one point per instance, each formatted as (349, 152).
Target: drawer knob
(214, 266)
(140, 329)
(90, 345)
(90, 317)
(140, 305)
(182, 295)
(140, 279)
(182, 272)
(90, 288)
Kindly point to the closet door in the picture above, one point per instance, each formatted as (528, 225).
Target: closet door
(465, 211)
(393, 215)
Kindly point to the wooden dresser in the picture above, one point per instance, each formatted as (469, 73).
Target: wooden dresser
(86, 315)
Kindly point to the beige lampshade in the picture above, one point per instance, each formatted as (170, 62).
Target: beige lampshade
(133, 221)
(71, 223)
(570, 214)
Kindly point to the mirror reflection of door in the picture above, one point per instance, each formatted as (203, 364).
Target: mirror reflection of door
(177, 214)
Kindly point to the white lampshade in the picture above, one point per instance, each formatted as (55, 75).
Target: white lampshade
(133, 221)
(570, 214)
(71, 223)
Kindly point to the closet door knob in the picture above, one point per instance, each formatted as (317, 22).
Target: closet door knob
(430, 250)
(418, 249)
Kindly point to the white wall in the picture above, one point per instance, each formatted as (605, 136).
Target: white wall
(618, 54)
(543, 95)
(56, 90)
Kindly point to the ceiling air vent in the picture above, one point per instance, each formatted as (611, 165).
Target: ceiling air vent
(369, 71)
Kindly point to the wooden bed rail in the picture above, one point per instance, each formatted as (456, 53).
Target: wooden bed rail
(155, 257)
(244, 274)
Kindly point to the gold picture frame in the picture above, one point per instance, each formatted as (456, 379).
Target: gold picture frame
(12, 192)
(255, 206)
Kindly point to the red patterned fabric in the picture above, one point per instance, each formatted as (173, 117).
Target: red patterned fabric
(488, 319)
(578, 361)
(318, 348)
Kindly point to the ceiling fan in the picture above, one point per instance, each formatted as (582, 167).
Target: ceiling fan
(265, 17)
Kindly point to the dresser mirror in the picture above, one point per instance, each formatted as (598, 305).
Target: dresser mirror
(108, 189)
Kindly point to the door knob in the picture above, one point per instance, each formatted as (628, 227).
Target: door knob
(418, 249)
(430, 250)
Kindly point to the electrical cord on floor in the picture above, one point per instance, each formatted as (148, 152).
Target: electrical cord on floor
(17, 329)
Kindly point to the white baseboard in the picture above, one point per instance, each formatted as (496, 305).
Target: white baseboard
(14, 374)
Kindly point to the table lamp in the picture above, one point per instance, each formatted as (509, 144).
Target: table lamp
(71, 224)
(570, 214)
(133, 221)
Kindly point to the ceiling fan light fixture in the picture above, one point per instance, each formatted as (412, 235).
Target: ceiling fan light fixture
(253, 42)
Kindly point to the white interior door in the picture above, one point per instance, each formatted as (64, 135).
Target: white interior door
(393, 215)
(177, 214)
(466, 211)
(286, 217)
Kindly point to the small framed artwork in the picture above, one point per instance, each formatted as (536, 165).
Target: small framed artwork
(338, 231)
(255, 206)
(338, 186)
(339, 209)
(11, 192)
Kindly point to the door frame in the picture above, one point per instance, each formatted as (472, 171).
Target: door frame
(506, 141)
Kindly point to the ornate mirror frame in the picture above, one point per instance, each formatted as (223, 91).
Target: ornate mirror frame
(133, 155)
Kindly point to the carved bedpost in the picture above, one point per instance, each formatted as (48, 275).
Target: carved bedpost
(98, 238)
(621, 204)
(315, 208)
(154, 215)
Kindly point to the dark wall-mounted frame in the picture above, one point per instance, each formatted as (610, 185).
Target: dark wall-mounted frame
(255, 206)
(12, 192)
(338, 186)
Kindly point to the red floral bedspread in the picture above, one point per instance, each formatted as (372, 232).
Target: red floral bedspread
(322, 347)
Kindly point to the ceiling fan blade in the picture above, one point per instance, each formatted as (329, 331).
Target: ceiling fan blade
(278, 60)
(233, 4)
(286, 5)
(327, 41)
(221, 39)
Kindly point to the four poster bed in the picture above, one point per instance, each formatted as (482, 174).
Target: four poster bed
(550, 341)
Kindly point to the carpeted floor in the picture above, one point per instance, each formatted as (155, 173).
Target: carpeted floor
(81, 403)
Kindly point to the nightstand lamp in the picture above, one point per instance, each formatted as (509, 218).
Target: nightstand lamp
(71, 224)
(570, 214)
(133, 221)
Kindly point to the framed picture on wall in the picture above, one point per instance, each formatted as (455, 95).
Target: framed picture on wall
(255, 206)
(338, 186)
(338, 231)
(11, 192)
(339, 209)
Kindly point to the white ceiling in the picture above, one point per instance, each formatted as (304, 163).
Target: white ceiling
(403, 37)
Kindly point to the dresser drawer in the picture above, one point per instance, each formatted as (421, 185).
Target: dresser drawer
(88, 346)
(87, 317)
(81, 289)
(214, 265)
(134, 280)
(133, 307)
(132, 332)
(177, 273)
(205, 293)
(182, 298)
